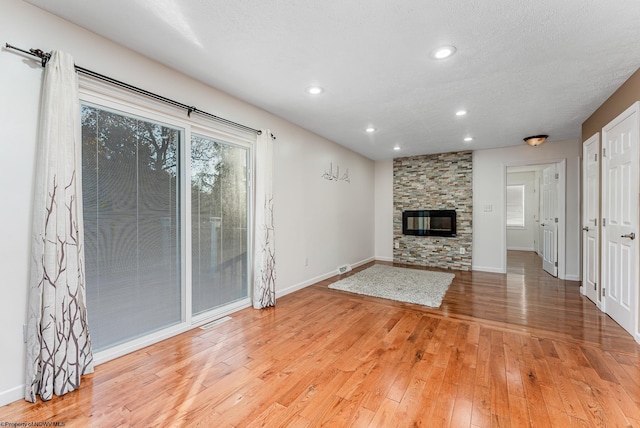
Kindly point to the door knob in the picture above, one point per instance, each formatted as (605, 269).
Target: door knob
(631, 236)
(586, 228)
(541, 224)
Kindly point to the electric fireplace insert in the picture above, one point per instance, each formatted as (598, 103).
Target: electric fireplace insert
(429, 222)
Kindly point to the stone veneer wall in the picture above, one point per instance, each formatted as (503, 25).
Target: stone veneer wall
(433, 182)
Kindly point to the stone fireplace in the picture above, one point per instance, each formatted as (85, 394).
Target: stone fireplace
(440, 183)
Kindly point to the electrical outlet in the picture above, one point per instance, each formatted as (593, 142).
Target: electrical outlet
(397, 245)
(462, 250)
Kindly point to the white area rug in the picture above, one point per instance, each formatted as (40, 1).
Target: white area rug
(402, 284)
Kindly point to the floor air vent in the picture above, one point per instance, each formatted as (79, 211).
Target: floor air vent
(214, 323)
(344, 269)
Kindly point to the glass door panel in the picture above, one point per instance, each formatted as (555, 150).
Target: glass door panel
(130, 189)
(219, 219)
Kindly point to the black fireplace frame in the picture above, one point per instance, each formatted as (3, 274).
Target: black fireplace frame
(449, 214)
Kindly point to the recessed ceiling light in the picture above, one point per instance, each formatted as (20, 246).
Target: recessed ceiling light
(461, 112)
(315, 90)
(467, 139)
(396, 148)
(370, 129)
(443, 52)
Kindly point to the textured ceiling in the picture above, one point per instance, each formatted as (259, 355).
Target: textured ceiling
(522, 67)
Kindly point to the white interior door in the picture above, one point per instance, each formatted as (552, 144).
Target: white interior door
(549, 220)
(590, 217)
(540, 231)
(620, 218)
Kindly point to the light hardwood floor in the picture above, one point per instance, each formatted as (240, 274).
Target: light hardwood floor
(521, 349)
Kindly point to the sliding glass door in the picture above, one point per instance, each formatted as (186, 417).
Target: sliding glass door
(137, 218)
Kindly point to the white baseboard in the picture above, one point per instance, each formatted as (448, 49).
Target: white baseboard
(488, 269)
(365, 261)
(572, 278)
(311, 281)
(384, 259)
(303, 284)
(520, 249)
(11, 395)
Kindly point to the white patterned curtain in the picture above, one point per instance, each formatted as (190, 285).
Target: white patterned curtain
(264, 268)
(58, 344)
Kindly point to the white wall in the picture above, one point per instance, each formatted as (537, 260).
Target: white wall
(317, 221)
(489, 177)
(320, 224)
(384, 210)
(523, 238)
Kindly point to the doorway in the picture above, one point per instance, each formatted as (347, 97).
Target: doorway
(535, 213)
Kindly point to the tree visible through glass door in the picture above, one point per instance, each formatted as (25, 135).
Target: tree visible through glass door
(218, 223)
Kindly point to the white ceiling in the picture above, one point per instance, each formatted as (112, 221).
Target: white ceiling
(522, 67)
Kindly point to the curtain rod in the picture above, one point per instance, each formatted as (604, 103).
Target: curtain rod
(44, 57)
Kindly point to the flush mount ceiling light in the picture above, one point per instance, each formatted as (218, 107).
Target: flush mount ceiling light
(396, 147)
(370, 129)
(443, 52)
(536, 140)
(315, 90)
(467, 139)
(461, 112)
